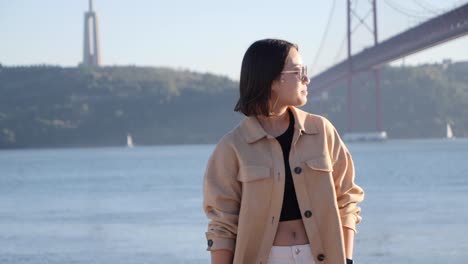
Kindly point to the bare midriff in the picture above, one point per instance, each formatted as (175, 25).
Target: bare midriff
(291, 233)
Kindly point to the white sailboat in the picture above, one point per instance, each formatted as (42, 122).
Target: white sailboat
(129, 141)
(449, 132)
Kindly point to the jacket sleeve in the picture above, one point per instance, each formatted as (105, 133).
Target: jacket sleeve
(221, 197)
(348, 193)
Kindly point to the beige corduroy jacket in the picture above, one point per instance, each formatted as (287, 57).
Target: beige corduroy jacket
(244, 184)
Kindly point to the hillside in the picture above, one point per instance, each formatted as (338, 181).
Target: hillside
(45, 106)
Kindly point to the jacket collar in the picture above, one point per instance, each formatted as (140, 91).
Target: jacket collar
(253, 131)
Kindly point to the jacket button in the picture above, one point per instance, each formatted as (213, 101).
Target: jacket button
(308, 213)
(210, 242)
(298, 170)
(321, 257)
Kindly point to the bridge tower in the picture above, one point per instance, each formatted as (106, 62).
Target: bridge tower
(376, 72)
(91, 40)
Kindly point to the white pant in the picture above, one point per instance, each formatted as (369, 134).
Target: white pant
(298, 254)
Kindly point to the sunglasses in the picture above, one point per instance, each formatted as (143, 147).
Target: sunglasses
(302, 73)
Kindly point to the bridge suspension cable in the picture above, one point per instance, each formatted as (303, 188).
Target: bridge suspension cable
(424, 5)
(324, 36)
(405, 11)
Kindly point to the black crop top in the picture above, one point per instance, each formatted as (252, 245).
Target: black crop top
(290, 209)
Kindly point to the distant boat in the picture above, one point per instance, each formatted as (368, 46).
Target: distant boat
(449, 132)
(129, 141)
(365, 137)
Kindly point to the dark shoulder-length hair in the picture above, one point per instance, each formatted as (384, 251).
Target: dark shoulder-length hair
(262, 64)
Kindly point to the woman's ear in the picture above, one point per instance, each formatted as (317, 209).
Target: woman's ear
(276, 85)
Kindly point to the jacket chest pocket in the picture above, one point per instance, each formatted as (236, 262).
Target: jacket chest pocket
(319, 178)
(257, 186)
(321, 164)
(253, 173)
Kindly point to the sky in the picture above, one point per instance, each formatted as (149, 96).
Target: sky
(207, 35)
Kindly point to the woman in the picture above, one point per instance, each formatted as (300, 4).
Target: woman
(279, 187)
